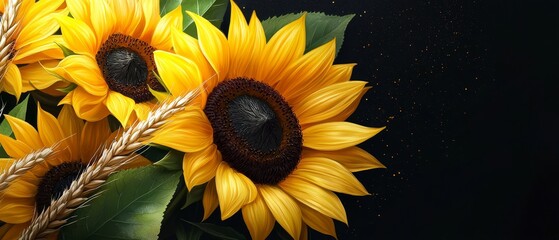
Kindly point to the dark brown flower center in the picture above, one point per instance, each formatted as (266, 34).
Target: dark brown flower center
(128, 67)
(255, 129)
(55, 181)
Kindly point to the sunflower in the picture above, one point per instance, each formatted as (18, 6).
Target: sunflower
(34, 43)
(113, 68)
(270, 139)
(76, 144)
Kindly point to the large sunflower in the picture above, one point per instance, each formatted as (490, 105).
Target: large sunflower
(34, 43)
(77, 143)
(271, 138)
(113, 67)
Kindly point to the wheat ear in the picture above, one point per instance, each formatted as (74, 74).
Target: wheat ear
(8, 34)
(112, 157)
(20, 166)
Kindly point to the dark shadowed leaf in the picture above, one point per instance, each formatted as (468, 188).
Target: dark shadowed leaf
(218, 231)
(195, 195)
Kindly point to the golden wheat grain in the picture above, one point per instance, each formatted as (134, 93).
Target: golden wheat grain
(111, 159)
(20, 166)
(8, 33)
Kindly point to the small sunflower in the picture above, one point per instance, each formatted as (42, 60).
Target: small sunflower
(34, 43)
(77, 143)
(270, 139)
(113, 68)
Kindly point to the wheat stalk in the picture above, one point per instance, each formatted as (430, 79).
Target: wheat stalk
(20, 166)
(8, 33)
(112, 157)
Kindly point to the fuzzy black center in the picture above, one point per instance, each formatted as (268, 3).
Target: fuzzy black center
(55, 181)
(128, 67)
(254, 121)
(255, 129)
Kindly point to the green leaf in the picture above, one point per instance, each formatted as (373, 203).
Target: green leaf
(212, 10)
(195, 195)
(129, 206)
(19, 111)
(218, 231)
(190, 234)
(68, 88)
(166, 6)
(66, 51)
(171, 161)
(320, 28)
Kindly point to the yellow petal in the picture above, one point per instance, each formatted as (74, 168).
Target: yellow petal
(234, 190)
(151, 16)
(327, 102)
(241, 43)
(24, 132)
(18, 210)
(39, 10)
(67, 99)
(83, 71)
(24, 187)
(87, 106)
(336, 135)
(93, 136)
(287, 45)
(14, 232)
(160, 96)
(34, 76)
(303, 75)
(178, 74)
(258, 218)
(255, 31)
(49, 128)
(120, 106)
(12, 81)
(342, 116)
(162, 35)
(142, 110)
(45, 49)
(6, 163)
(315, 197)
(338, 73)
(330, 175)
(318, 221)
(213, 44)
(14, 148)
(284, 208)
(72, 127)
(104, 19)
(353, 158)
(188, 131)
(79, 37)
(188, 47)
(129, 12)
(200, 167)
(210, 200)
(79, 10)
(37, 30)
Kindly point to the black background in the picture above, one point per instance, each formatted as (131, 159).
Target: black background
(467, 92)
(465, 89)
